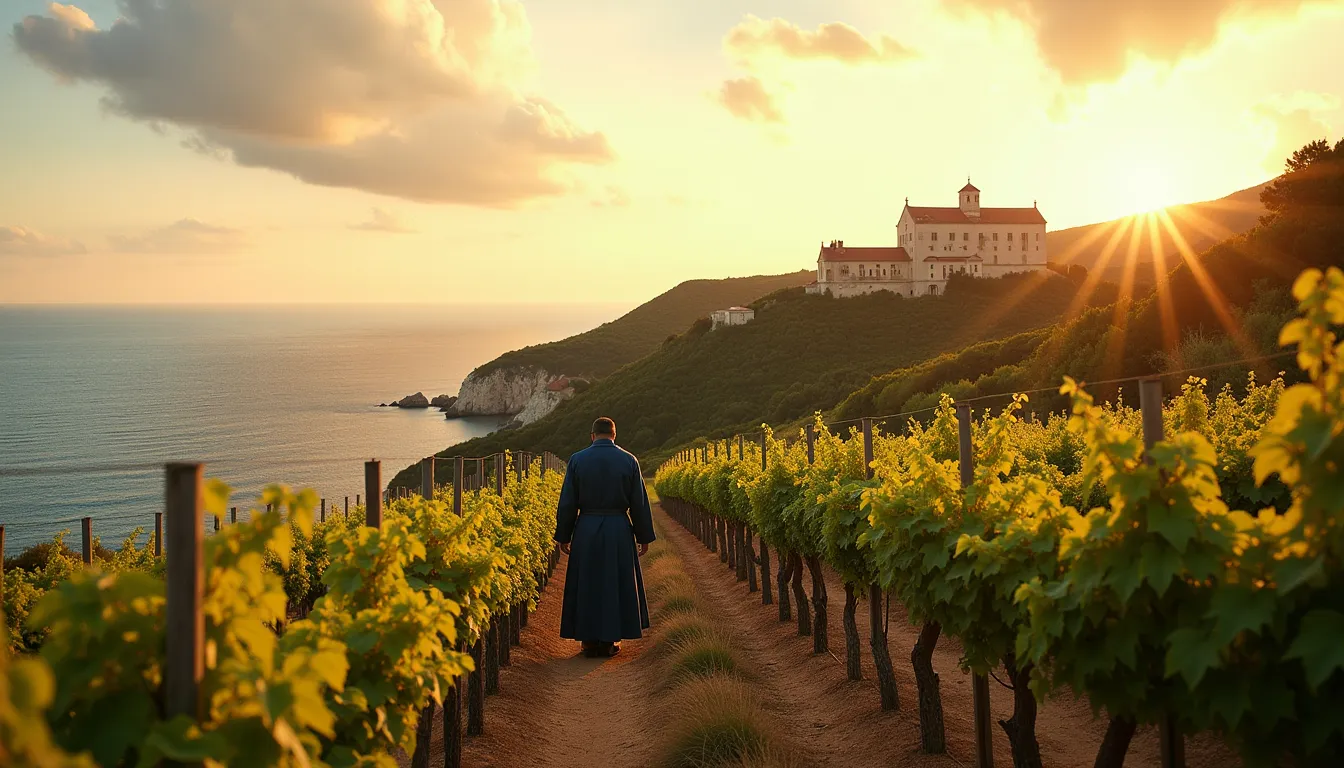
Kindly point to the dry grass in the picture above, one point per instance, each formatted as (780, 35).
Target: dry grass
(701, 657)
(715, 723)
(679, 630)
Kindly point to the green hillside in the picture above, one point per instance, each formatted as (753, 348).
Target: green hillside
(1229, 308)
(802, 353)
(598, 352)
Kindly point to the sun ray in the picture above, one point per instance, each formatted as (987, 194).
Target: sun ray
(1170, 333)
(1094, 276)
(1192, 218)
(1211, 292)
(1115, 344)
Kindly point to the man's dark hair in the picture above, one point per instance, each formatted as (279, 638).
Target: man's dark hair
(604, 426)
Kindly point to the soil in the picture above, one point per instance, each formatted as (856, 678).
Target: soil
(556, 708)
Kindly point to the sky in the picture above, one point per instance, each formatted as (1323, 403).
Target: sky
(489, 151)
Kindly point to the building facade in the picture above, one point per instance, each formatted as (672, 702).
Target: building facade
(732, 316)
(933, 244)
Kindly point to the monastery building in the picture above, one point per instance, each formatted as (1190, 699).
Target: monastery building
(933, 244)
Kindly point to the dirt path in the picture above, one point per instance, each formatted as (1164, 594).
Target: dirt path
(556, 708)
(840, 723)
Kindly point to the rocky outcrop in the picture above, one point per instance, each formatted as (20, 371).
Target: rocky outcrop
(418, 400)
(543, 403)
(443, 402)
(501, 392)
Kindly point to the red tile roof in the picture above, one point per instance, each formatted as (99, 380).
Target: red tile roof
(987, 216)
(969, 187)
(558, 385)
(876, 255)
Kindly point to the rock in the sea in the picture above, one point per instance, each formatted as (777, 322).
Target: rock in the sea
(443, 401)
(418, 400)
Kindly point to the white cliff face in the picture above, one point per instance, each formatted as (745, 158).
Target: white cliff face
(541, 404)
(503, 391)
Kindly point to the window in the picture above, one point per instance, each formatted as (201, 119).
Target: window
(930, 271)
(1010, 247)
(930, 247)
(933, 236)
(951, 235)
(965, 236)
(1024, 237)
(1038, 236)
(996, 237)
(1010, 237)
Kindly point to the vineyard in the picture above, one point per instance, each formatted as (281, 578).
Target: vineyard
(1178, 565)
(287, 639)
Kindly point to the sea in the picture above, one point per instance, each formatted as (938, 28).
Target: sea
(94, 400)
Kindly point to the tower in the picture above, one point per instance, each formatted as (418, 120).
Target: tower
(969, 200)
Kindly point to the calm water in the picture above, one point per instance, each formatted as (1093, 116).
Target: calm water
(91, 397)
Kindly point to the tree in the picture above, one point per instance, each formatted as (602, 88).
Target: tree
(1312, 183)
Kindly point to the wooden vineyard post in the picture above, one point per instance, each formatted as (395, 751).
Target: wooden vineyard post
(356, 499)
(184, 621)
(877, 625)
(347, 507)
(214, 520)
(741, 448)
(476, 689)
(233, 515)
(492, 657)
(86, 531)
(1171, 743)
(373, 483)
(323, 517)
(158, 534)
(452, 723)
(984, 734)
(499, 474)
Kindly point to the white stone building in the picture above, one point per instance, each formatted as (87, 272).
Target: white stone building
(934, 243)
(732, 316)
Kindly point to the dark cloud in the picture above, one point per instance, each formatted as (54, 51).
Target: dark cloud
(836, 41)
(185, 236)
(747, 98)
(1093, 40)
(21, 241)
(409, 98)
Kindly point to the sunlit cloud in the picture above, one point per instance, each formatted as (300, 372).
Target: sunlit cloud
(612, 197)
(1087, 42)
(755, 37)
(420, 99)
(748, 99)
(185, 236)
(381, 220)
(1295, 121)
(21, 241)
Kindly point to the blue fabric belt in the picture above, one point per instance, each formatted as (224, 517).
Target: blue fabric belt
(603, 512)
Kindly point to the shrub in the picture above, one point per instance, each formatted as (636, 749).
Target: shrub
(715, 722)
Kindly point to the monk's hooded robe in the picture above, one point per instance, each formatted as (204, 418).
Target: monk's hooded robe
(603, 512)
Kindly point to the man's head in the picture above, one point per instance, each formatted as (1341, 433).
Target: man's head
(604, 429)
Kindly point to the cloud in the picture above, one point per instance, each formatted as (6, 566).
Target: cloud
(1094, 41)
(383, 221)
(410, 98)
(612, 197)
(1295, 121)
(21, 241)
(746, 98)
(186, 236)
(755, 37)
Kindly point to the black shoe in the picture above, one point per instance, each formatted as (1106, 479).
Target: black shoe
(592, 650)
(612, 649)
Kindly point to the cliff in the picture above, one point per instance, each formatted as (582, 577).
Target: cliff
(499, 392)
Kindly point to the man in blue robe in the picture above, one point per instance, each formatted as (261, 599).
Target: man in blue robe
(603, 513)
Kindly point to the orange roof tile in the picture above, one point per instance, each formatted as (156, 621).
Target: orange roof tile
(876, 255)
(924, 215)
